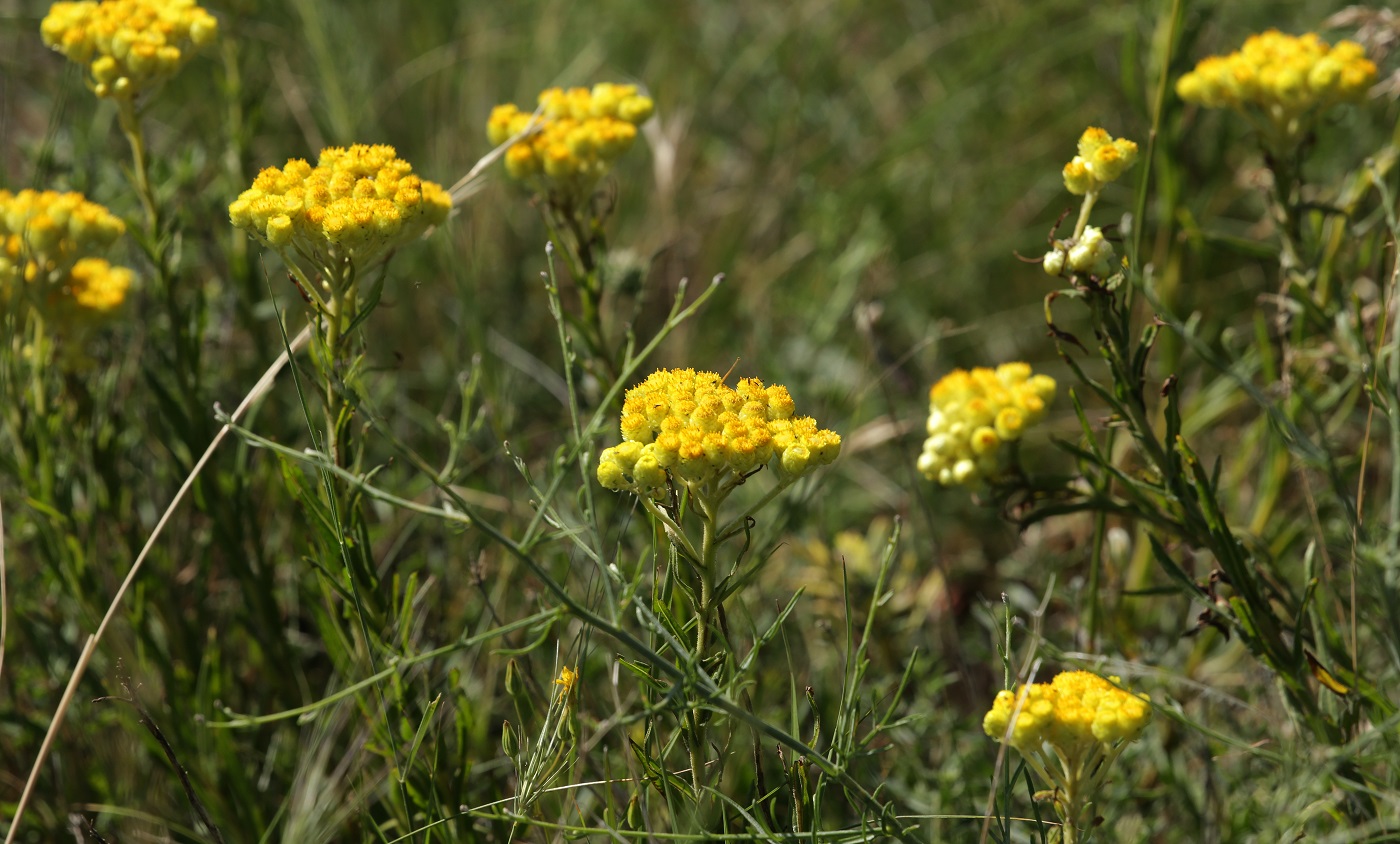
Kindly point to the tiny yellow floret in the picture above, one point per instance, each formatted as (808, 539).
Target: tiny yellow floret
(567, 678)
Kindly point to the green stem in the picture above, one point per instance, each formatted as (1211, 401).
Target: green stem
(708, 511)
(131, 127)
(708, 537)
(572, 236)
(332, 350)
(186, 346)
(1082, 223)
(1095, 569)
(340, 311)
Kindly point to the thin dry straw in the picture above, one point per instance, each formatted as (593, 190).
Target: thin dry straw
(259, 389)
(469, 184)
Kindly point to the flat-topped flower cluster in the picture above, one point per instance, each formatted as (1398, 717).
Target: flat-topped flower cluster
(972, 414)
(128, 46)
(576, 136)
(356, 204)
(48, 244)
(1284, 75)
(700, 430)
(1072, 714)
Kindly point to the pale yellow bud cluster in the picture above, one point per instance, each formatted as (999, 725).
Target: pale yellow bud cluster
(355, 205)
(1283, 75)
(1091, 252)
(1074, 715)
(128, 46)
(692, 428)
(48, 238)
(972, 414)
(1101, 159)
(575, 137)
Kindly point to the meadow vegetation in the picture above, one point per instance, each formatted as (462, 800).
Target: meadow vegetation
(786, 421)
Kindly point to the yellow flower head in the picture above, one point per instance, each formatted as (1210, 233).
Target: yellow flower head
(972, 414)
(1075, 714)
(128, 46)
(49, 238)
(692, 428)
(356, 204)
(574, 139)
(1101, 159)
(1286, 78)
(96, 286)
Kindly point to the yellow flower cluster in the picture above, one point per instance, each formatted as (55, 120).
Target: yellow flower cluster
(128, 46)
(48, 238)
(98, 287)
(971, 414)
(576, 136)
(1101, 159)
(1074, 714)
(694, 427)
(356, 204)
(1284, 75)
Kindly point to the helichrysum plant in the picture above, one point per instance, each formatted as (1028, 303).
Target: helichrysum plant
(573, 140)
(540, 763)
(562, 151)
(128, 50)
(689, 442)
(1101, 159)
(1281, 83)
(975, 417)
(128, 47)
(1183, 500)
(335, 220)
(1070, 731)
(331, 224)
